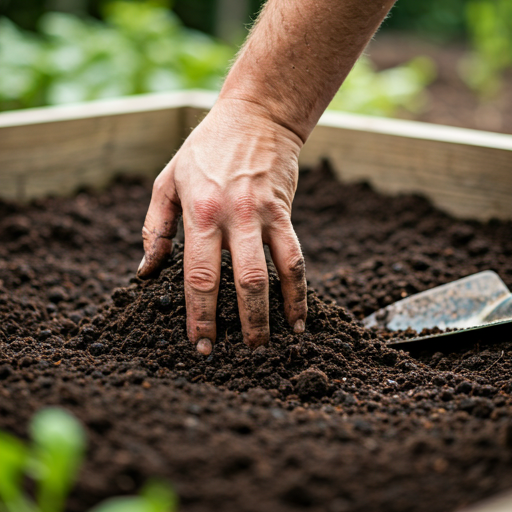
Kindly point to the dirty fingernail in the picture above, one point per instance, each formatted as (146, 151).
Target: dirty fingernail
(299, 326)
(142, 263)
(204, 346)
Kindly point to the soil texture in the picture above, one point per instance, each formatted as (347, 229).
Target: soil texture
(329, 420)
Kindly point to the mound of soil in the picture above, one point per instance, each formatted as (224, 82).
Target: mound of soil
(147, 321)
(366, 250)
(331, 419)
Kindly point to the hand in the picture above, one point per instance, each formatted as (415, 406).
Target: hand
(233, 180)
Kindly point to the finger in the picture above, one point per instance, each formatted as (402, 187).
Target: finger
(251, 280)
(289, 262)
(159, 227)
(202, 259)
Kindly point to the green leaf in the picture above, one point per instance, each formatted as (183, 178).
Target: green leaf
(13, 460)
(383, 92)
(489, 25)
(161, 495)
(124, 504)
(59, 446)
(155, 496)
(141, 46)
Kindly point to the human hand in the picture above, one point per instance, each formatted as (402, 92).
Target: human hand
(233, 180)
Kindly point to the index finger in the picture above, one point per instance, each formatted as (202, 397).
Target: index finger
(160, 226)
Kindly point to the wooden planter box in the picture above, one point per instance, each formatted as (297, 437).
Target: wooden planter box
(57, 150)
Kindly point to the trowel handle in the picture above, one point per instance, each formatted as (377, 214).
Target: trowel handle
(502, 311)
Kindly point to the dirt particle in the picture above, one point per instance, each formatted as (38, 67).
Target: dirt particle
(464, 387)
(311, 383)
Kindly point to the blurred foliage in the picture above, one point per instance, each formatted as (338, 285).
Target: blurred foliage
(490, 29)
(438, 20)
(140, 47)
(382, 93)
(52, 461)
(143, 47)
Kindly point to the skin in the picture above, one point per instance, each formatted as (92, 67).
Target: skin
(235, 176)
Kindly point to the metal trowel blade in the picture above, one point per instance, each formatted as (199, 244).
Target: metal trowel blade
(474, 302)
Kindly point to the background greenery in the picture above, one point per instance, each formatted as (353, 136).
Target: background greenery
(434, 19)
(62, 51)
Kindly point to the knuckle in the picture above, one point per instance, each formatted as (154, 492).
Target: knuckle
(159, 184)
(201, 280)
(206, 212)
(165, 229)
(244, 208)
(254, 280)
(146, 233)
(276, 211)
(296, 267)
(163, 198)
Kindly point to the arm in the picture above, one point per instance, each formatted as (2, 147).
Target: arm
(298, 55)
(234, 178)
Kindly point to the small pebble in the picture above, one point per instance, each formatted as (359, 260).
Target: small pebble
(165, 300)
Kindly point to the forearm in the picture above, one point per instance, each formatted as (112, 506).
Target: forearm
(298, 55)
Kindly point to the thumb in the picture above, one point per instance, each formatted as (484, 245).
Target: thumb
(159, 227)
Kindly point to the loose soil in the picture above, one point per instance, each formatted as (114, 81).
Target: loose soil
(330, 420)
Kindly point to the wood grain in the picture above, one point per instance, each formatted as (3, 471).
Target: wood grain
(464, 172)
(55, 151)
(59, 149)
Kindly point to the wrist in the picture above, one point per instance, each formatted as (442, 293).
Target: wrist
(244, 110)
(260, 103)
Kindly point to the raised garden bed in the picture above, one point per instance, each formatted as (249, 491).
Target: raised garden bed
(328, 420)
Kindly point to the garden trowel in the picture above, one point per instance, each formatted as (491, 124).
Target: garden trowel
(475, 302)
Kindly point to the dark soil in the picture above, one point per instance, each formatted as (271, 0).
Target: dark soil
(330, 420)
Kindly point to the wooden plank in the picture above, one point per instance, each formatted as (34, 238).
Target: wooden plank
(500, 503)
(464, 172)
(56, 150)
(87, 152)
(60, 149)
(125, 105)
(467, 173)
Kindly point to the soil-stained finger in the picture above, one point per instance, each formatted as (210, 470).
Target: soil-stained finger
(289, 262)
(202, 258)
(251, 281)
(159, 228)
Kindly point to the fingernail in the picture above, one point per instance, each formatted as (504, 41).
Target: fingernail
(204, 346)
(299, 326)
(142, 263)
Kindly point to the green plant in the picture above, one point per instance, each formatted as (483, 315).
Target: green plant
(140, 47)
(489, 24)
(52, 461)
(143, 47)
(367, 91)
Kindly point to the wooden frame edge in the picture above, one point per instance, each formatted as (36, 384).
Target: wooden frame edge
(500, 503)
(55, 150)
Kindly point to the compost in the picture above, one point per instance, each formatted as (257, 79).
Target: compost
(331, 420)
